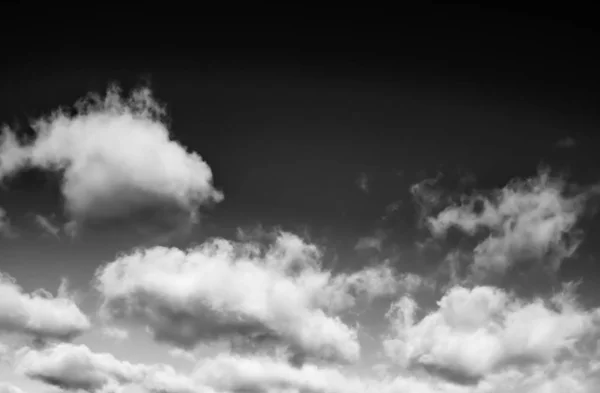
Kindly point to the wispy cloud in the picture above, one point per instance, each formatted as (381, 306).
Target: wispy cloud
(362, 182)
(6, 229)
(46, 225)
(115, 333)
(371, 242)
(527, 221)
(566, 143)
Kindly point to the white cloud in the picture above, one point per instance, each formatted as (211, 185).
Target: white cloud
(269, 298)
(221, 289)
(117, 162)
(115, 332)
(74, 367)
(484, 330)
(39, 314)
(527, 221)
(232, 373)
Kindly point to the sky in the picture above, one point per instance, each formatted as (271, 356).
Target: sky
(324, 213)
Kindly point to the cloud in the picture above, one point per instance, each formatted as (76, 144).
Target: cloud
(46, 225)
(428, 196)
(115, 332)
(527, 221)
(362, 182)
(371, 242)
(182, 354)
(483, 331)
(6, 228)
(566, 143)
(39, 314)
(75, 367)
(222, 289)
(117, 161)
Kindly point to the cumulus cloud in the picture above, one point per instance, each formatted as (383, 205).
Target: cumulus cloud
(222, 289)
(73, 367)
(39, 314)
(528, 221)
(483, 331)
(76, 367)
(117, 161)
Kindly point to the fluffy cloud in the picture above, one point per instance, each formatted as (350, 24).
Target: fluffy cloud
(484, 330)
(527, 221)
(117, 161)
(222, 289)
(39, 314)
(75, 367)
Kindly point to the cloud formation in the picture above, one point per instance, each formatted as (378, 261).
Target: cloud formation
(531, 221)
(117, 161)
(76, 367)
(39, 314)
(484, 330)
(222, 289)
